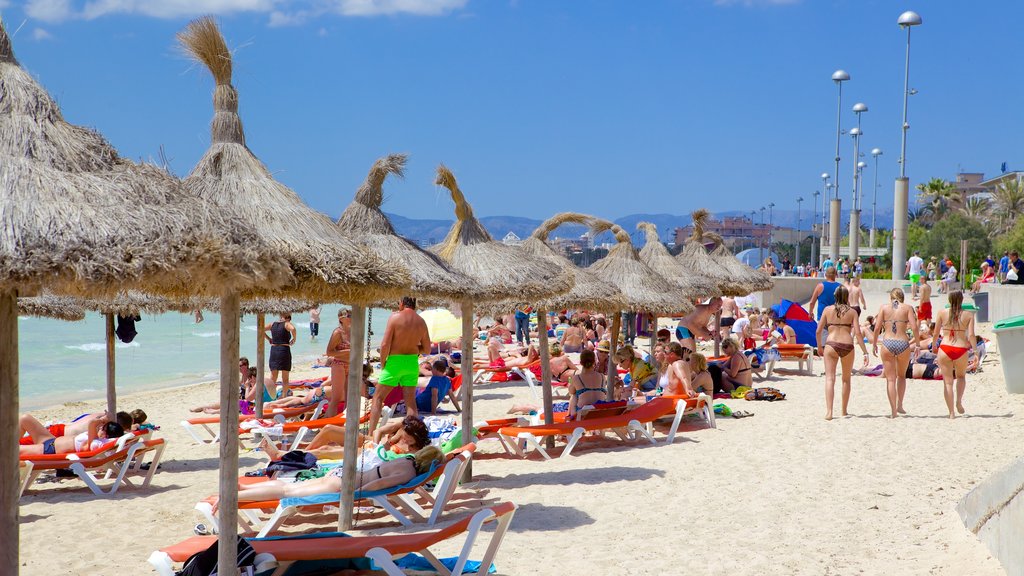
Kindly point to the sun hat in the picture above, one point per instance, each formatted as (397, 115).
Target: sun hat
(604, 346)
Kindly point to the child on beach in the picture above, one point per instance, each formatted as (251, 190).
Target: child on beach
(438, 388)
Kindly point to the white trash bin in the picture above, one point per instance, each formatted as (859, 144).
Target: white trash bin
(1010, 336)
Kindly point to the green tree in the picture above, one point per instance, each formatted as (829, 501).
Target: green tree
(937, 197)
(945, 236)
(917, 237)
(1007, 202)
(976, 208)
(1013, 239)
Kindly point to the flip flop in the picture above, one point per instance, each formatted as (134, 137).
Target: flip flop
(741, 414)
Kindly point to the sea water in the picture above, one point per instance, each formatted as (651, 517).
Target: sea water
(66, 361)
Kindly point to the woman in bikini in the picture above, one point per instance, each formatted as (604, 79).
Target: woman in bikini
(661, 365)
(891, 324)
(338, 349)
(839, 321)
(562, 367)
(952, 353)
(735, 370)
(572, 338)
(701, 379)
(587, 386)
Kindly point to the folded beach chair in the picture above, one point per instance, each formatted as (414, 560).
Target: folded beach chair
(399, 501)
(206, 429)
(117, 463)
(24, 476)
(382, 550)
(626, 426)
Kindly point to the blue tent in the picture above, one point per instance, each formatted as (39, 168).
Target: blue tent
(798, 319)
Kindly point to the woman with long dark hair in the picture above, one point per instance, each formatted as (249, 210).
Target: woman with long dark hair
(839, 323)
(956, 327)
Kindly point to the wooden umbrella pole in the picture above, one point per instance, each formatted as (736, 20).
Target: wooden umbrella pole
(261, 361)
(468, 339)
(717, 336)
(612, 372)
(369, 333)
(653, 330)
(227, 551)
(9, 489)
(545, 370)
(111, 376)
(352, 407)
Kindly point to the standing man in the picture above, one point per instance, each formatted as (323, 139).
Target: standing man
(281, 338)
(915, 266)
(405, 338)
(523, 325)
(1004, 266)
(824, 294)
(1017, 266)
(679, 375)
(314, 323)
(857, 301)
(695, 324)
(730, 312)
(924, 311)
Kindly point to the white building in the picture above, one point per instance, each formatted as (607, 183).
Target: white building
(511, 239)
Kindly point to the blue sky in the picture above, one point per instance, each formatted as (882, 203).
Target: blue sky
(541, 106)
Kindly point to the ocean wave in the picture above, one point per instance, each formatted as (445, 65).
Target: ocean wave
(100, 346)
(206, 334)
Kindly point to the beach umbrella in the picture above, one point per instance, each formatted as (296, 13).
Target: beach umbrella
(442, 324)
(500, 272)
(678, 272)
(643, 288)
(753, 280)
(363, 220)
(326, 264)
(51, 306)
(696, 256)
(79, 219)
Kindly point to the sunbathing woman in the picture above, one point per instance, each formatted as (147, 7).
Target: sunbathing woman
(562, 367)
(735, 370)
(338, 349)
(642, 376)
(701, 377)
(99, 432)
(586, 386)
(572, 338)
(952, 353)
(386, 475)
(531, 356)
(316, 396)
(839, 322)
(891, 324)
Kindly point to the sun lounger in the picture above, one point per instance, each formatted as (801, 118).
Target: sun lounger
(117, 463)
(24, 475)
(206, 429)
(627, 426)
(702, 404)
(383, 550)
(802, 354)
(398, 501)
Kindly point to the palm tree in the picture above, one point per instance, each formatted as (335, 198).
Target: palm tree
(1007, 202)
(976, 207)
(938, 196)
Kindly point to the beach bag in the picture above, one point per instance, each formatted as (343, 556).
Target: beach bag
(769, 394)
(290, 461)
(1012, 274)
(205, 563)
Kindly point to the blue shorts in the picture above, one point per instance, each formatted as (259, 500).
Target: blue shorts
(683, 333)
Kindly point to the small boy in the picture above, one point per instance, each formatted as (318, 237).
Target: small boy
(438, 387)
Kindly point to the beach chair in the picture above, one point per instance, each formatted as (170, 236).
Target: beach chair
(206, 429)
(701, 404)
(802, 354)
(626, 426)
(400, 501)
(118, 462)
(24, 475)
(382, 550)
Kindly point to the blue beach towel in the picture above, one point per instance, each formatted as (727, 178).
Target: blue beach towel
(335, 497)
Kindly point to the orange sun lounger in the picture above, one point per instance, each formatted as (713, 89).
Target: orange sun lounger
(383, 550)
(118, 463)
(206, 429)
(626, 426)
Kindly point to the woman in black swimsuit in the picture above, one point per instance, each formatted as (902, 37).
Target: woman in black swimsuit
(839, 322)
(281, 338)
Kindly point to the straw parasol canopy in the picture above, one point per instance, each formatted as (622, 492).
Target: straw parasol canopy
(644, 289)
(78, 218)
(696, 256)
(752, 280)
(655, 255)
(327, 264)
(364, 220)
(588, 291)
(51, 306)
(500, 271)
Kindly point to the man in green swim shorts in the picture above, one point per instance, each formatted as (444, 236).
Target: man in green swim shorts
(405, 338)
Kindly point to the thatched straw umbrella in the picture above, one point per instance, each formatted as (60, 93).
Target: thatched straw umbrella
(500, 273)
(327, 265)
(364, 221)
(751, 279)
(51, 306)
(79, 219)
(696, 256)
(644, 289)
(683, 277)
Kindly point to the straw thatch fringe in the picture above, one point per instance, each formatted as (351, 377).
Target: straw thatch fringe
(500, 271)
(79, 219)
(751, 280)
(643, 288)
(654, 254)
(6, 52)
(364, 220)
(51, 306)
(699, 219)
(588, 292)
(327, 265)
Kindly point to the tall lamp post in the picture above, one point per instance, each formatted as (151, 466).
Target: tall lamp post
(901, 190)
(760, 244)
(835, 208)
(875, 152)
(858, 109)
(825, 187)
(771, 227)
(753, 226)
(814, 220)
(860, 199)
(796, 251)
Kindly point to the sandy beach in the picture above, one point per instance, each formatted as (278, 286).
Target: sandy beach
(782, 492)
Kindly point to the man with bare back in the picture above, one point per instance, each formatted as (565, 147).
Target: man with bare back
(730, 312)
(405, 338)
(695, 324)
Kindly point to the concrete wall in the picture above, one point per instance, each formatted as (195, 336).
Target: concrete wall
(1004, 301)
(799, 289)
(994, 511)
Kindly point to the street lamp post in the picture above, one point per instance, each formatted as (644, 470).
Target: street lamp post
(825, 187)
(876, 152)
(814, 220)
(835, 208)
(906, 20)
(771, 227)
(760, 244)
(796, 251)
(858, 109)
(753, 226)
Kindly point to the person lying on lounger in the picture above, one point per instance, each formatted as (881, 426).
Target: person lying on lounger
(399, 436)
(314, 397)
(99, 432)
(385, 475)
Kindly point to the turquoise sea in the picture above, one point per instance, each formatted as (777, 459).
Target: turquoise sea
(66, 361)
